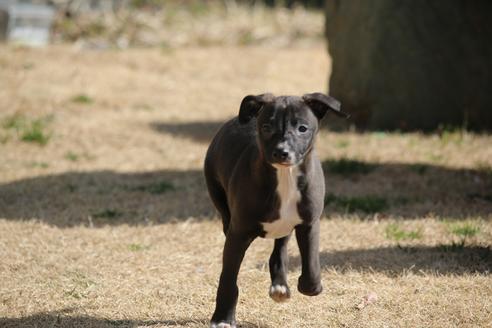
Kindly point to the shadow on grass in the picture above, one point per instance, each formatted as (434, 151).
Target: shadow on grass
(406, 190)
(64, 318)
(365, 188)
(402, 190)
(59, 320)
(418, 259)
(199, 131)
(107, 198)
(110, 198)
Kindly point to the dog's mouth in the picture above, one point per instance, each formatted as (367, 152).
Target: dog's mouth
(283, 165)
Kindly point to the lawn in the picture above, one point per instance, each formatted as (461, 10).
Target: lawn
(105, 220)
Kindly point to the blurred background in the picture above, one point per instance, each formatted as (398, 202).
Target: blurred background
(153, 23)
(106, 112)
(416, 66)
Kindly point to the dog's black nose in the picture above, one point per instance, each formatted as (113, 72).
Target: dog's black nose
(280, 155)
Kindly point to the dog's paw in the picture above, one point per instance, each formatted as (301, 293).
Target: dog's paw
(222, 325)
(279, 293)
(308, 287)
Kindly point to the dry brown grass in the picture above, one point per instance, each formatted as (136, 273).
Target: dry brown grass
(90, 236)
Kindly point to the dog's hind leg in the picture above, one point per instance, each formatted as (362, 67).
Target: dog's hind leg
(279, 290)
(219, 198)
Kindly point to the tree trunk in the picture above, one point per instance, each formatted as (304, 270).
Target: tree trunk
(412, 65)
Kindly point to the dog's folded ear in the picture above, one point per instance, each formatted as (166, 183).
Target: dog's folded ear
(321, 103)
(251, 105)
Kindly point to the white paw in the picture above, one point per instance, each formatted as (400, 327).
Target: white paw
(279, 293)
(221, 325)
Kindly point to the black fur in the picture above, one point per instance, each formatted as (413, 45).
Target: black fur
(241, 175)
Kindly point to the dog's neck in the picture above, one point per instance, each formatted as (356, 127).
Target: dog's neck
(287, 181)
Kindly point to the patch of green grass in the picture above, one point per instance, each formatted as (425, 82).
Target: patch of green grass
(29, 130)
(144, 3)
(71, 187)
(342, 144)
(330, 199)
(15, 122)
(453, 134)
(195, 7)
(108, 214)
(28, 66)
(419, 168)
(156, 188)
(35, 132)
(367, 204)
(435, 157)
(380, 134)
(246, 38)
(395, 232)
(464, 230)
(75, 157)
(42, 165)
(144, 107)
(198, 8)
(95, 28)
(137, 247)
(71, 156)
(344, 166)
(82, 99)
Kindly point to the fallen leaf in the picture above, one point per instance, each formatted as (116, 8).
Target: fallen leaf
(367, 300)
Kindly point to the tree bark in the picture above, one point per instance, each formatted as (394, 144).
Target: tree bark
(412, 65)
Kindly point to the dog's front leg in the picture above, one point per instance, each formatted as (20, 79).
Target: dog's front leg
(308, 240)
(235, 247)
(279, 290)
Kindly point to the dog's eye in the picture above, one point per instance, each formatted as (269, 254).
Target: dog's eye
(302, 128)
(266, 128)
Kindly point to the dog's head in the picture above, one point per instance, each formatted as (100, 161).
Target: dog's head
(287, 125)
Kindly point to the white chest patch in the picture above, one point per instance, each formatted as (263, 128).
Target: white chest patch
(289, 197)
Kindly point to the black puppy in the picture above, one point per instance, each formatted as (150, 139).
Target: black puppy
(265, 179)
